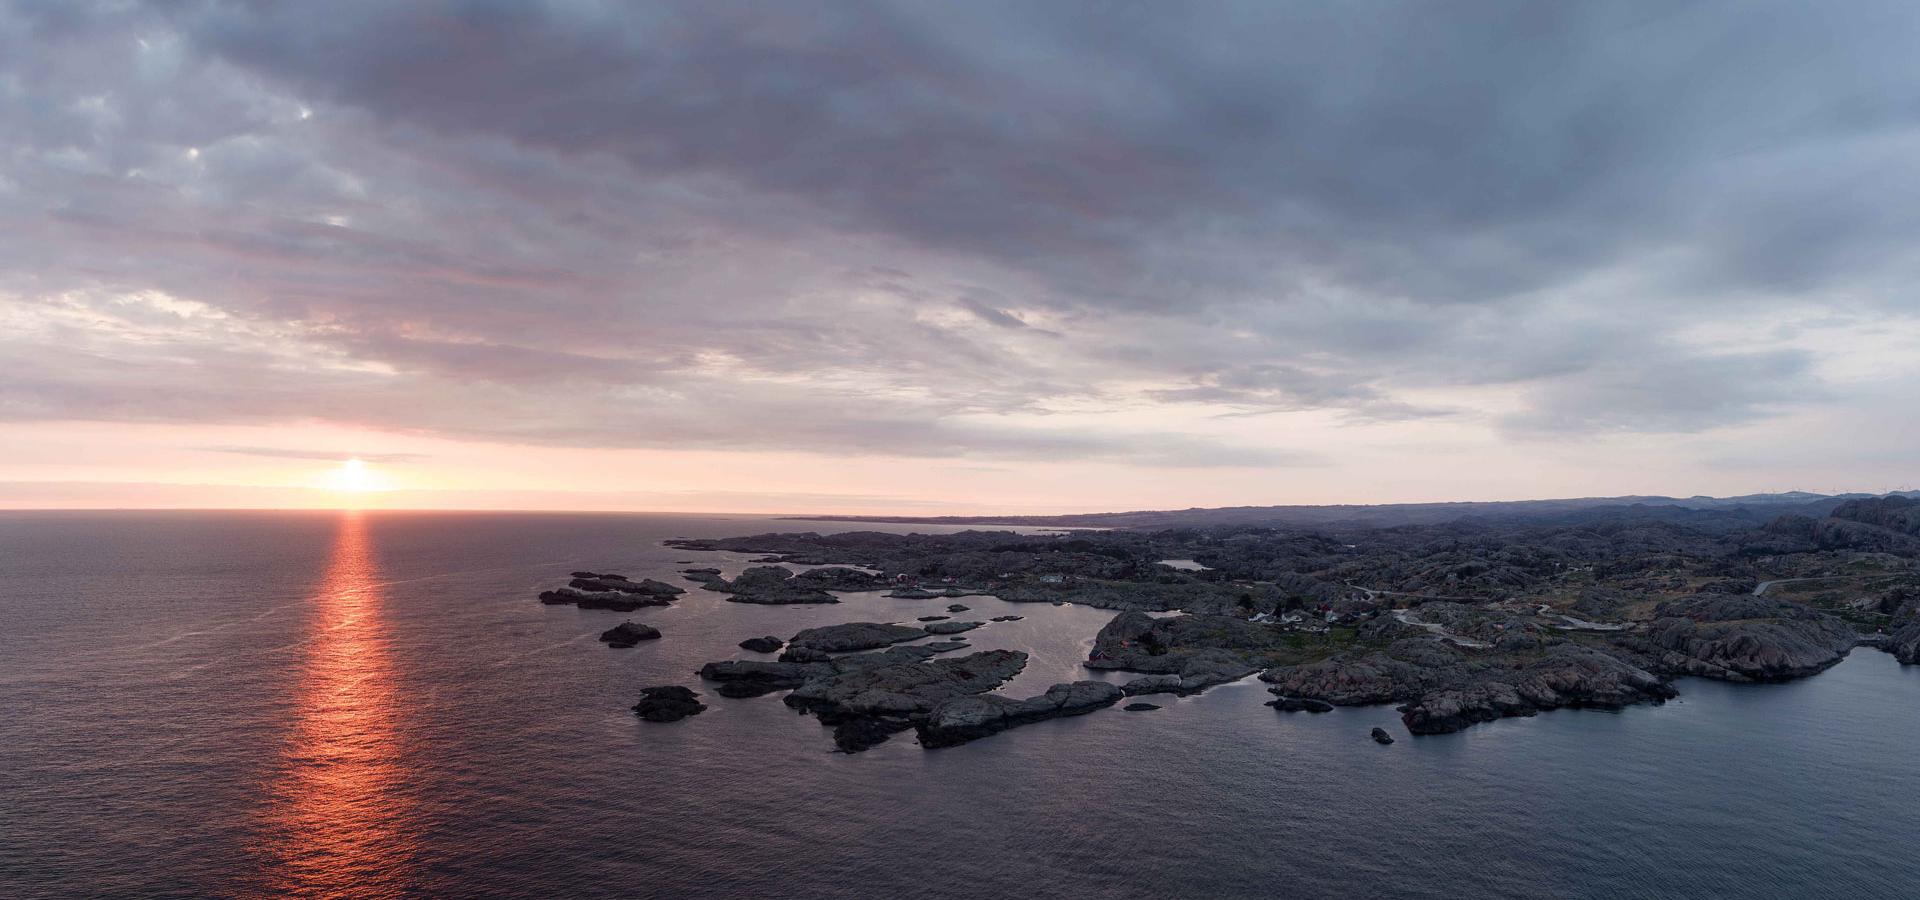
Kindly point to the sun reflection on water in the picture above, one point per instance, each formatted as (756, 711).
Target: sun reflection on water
(338, 809)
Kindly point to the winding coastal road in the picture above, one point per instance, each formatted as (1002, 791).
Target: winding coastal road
(1405, 617)
(1761, 588)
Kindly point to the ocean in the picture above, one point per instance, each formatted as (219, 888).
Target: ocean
(374, 704)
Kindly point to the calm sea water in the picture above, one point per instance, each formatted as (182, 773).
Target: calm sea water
(374, 704)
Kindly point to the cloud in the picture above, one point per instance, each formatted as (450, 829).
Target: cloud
(1684, 395)
(1267, 389)
(992, 315)
(992, 231)
(325, 455)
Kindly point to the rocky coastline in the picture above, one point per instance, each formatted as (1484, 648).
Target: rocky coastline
(1453, 624)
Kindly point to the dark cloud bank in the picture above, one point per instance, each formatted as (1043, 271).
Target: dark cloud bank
(934, 229)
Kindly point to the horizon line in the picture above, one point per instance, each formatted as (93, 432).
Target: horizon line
(875, 516)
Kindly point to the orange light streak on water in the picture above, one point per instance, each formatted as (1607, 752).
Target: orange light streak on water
(337, 822)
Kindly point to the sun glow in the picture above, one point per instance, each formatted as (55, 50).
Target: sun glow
(354, 477)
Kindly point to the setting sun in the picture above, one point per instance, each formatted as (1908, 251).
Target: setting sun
(354, 477)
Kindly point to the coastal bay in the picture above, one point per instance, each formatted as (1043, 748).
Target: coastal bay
(494, 733)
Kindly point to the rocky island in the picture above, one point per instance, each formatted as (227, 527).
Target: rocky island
(780, 585)
(588, 590)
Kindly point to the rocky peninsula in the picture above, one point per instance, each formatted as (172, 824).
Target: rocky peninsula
(1455, 623)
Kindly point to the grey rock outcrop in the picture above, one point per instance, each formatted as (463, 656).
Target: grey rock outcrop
(668, 703)
(1905, 644)
(963, 719)
(754, 677)
(1902, 606)
(840, 578)
(1204, 650)
(627, 634)
(1444, 689)
(625, 585)
(849, 636)
(771, 585)
(1567, 676)
(865, 704)
(615, 592)
(1151, 684)
(1743, 638)
(751, 677)
(1405, 670)
(1900, 514)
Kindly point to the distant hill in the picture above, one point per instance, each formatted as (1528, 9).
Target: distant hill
(1896, 512)
(1743, 510)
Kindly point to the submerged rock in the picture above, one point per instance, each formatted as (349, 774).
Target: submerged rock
(627, 634)
(933, 618)
(1300, 704)
(863, 732)
(1380, 736)
(940, 646)
(1007, 618)
(964, 719)
(768, 644)
(752, 677)
(805, 655)
(742, 690)
(956, 607)
(1139, 707)
(668, 703)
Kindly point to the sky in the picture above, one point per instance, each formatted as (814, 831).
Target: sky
(933, 258)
